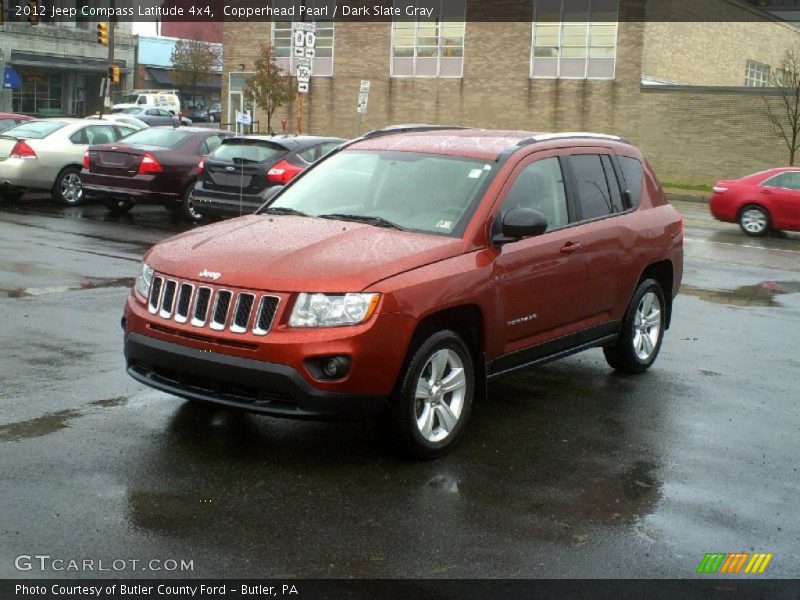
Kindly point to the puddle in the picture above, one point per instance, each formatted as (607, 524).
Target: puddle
(51, 422)
(760, 294)
(85, 284)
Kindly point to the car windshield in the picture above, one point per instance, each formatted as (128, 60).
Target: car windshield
(157, 136)
(132, 110)
(34, 130)
(242, 150)
(421, 192)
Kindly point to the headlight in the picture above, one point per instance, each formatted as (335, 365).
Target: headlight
(330, 310)
(143, 282)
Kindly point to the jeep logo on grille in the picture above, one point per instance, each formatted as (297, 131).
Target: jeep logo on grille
(210, 274)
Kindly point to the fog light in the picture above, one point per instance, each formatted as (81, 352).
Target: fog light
(328, 367)
(333, 367)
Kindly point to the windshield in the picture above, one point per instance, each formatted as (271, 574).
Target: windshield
(157, 136)
(245, 150)
(131, 110)
(34, 130)
(421, 192)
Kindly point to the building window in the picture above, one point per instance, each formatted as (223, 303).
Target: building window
(574, 39)
(756, 74)
(283, 42)
(40, 92)
(433, 48)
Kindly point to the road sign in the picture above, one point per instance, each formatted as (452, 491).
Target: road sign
(364, 86)
(243, 118)
(363, 97)
(304, 40)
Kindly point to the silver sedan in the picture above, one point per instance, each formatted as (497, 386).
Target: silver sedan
(47, 155)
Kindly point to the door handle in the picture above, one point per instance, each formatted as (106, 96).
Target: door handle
(570, 247)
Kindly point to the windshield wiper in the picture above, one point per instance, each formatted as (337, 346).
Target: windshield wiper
(283, 210)
(376, 221)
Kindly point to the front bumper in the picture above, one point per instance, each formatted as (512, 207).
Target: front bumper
(257, 386)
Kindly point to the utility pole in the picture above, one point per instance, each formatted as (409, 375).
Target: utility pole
(111, 26)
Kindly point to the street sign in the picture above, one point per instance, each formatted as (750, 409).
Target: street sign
(363, 97)
(364, 86)
(304, 40)
(243, 118)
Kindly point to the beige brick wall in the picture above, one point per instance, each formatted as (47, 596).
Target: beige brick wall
(710, 53)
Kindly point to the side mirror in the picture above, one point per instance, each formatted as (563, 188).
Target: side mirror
(521, 223)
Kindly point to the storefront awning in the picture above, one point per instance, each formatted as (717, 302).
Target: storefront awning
(164, 77)
(64, 63)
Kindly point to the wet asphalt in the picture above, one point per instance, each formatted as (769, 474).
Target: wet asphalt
(568, 470)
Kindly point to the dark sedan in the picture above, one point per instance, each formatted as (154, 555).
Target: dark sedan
(212, 114)
(153, 166)
(237, 177)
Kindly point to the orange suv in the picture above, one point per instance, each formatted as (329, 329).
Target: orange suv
(395, 277)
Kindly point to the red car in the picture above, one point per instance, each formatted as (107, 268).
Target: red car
(10, 119)
(397, 275)
(759, 202)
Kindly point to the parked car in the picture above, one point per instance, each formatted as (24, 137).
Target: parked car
(157, 165)
(166, 99)
(236, 178)
(47, 154)
(154, 116)
(211, 114)
(759, 202)
(10, 119)
(399, 273)
(121, 118)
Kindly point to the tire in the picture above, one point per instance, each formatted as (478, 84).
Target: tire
(640, 339)
(68, 187)
(754, 220)
(188, 209)
(118, 205)
(423, 419)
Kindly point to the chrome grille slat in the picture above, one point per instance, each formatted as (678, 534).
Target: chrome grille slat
(238, 311)
(184, 302)
(168, 299)
(201, 303)
(241, 312)
(267, 308)
(155, 295)
(220, 312)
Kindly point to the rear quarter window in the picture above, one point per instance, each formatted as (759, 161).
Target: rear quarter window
(632, 174)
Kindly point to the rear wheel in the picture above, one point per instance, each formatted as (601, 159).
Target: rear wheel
(118, 205)
(427, 413)
(188, 208)
(642, 330)
(754, 220)
(68, 187)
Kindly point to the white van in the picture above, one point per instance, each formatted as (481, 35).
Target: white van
(166, 99)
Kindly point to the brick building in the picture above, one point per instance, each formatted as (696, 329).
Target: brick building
(690, 93)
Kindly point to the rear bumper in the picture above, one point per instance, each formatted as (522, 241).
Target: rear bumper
(261, 387)
(224, 204)
(20, 174)
(150, 191)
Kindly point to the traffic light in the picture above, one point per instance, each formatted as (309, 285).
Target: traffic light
(33, 12)
(102, 33)
(114, 74)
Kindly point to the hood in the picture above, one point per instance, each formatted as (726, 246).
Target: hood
(295, 254)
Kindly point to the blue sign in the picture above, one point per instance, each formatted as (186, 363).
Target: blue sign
(11, 79)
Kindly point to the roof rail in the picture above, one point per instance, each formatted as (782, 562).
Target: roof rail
(543, 137)
(409, 128)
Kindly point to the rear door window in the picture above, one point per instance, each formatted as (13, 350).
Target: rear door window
(94, 134)
(789, 181)
(594, 196)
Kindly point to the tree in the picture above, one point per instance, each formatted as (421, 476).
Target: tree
(193, 61)
(270, 86)
(785, 117)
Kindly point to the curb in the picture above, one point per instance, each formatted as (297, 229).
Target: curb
(683, 197)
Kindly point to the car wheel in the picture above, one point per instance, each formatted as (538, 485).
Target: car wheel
(68, 188)
(754, 220)
(188, 208)
(119, 205)
(432, 402)
(642, 330)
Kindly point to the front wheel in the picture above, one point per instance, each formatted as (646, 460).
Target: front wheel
(642, 330)
(188, 207)
(68, 188)
(427, 413)
(754, 221)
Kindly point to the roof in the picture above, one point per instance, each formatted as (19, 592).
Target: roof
(292, 142)
(485, 144)
(15, 116)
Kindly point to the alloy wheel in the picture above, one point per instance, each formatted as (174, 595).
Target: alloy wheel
(439, 396)
(647, 326)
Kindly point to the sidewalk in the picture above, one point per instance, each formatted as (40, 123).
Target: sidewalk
(686, 195)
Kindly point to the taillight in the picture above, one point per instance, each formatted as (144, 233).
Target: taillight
(86, 163)
(22, 150)
(283, 172)
(201, 166)
(149, 165)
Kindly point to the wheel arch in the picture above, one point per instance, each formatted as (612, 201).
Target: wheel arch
(752, 204)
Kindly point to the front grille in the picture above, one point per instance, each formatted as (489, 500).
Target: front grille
(218, 309)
